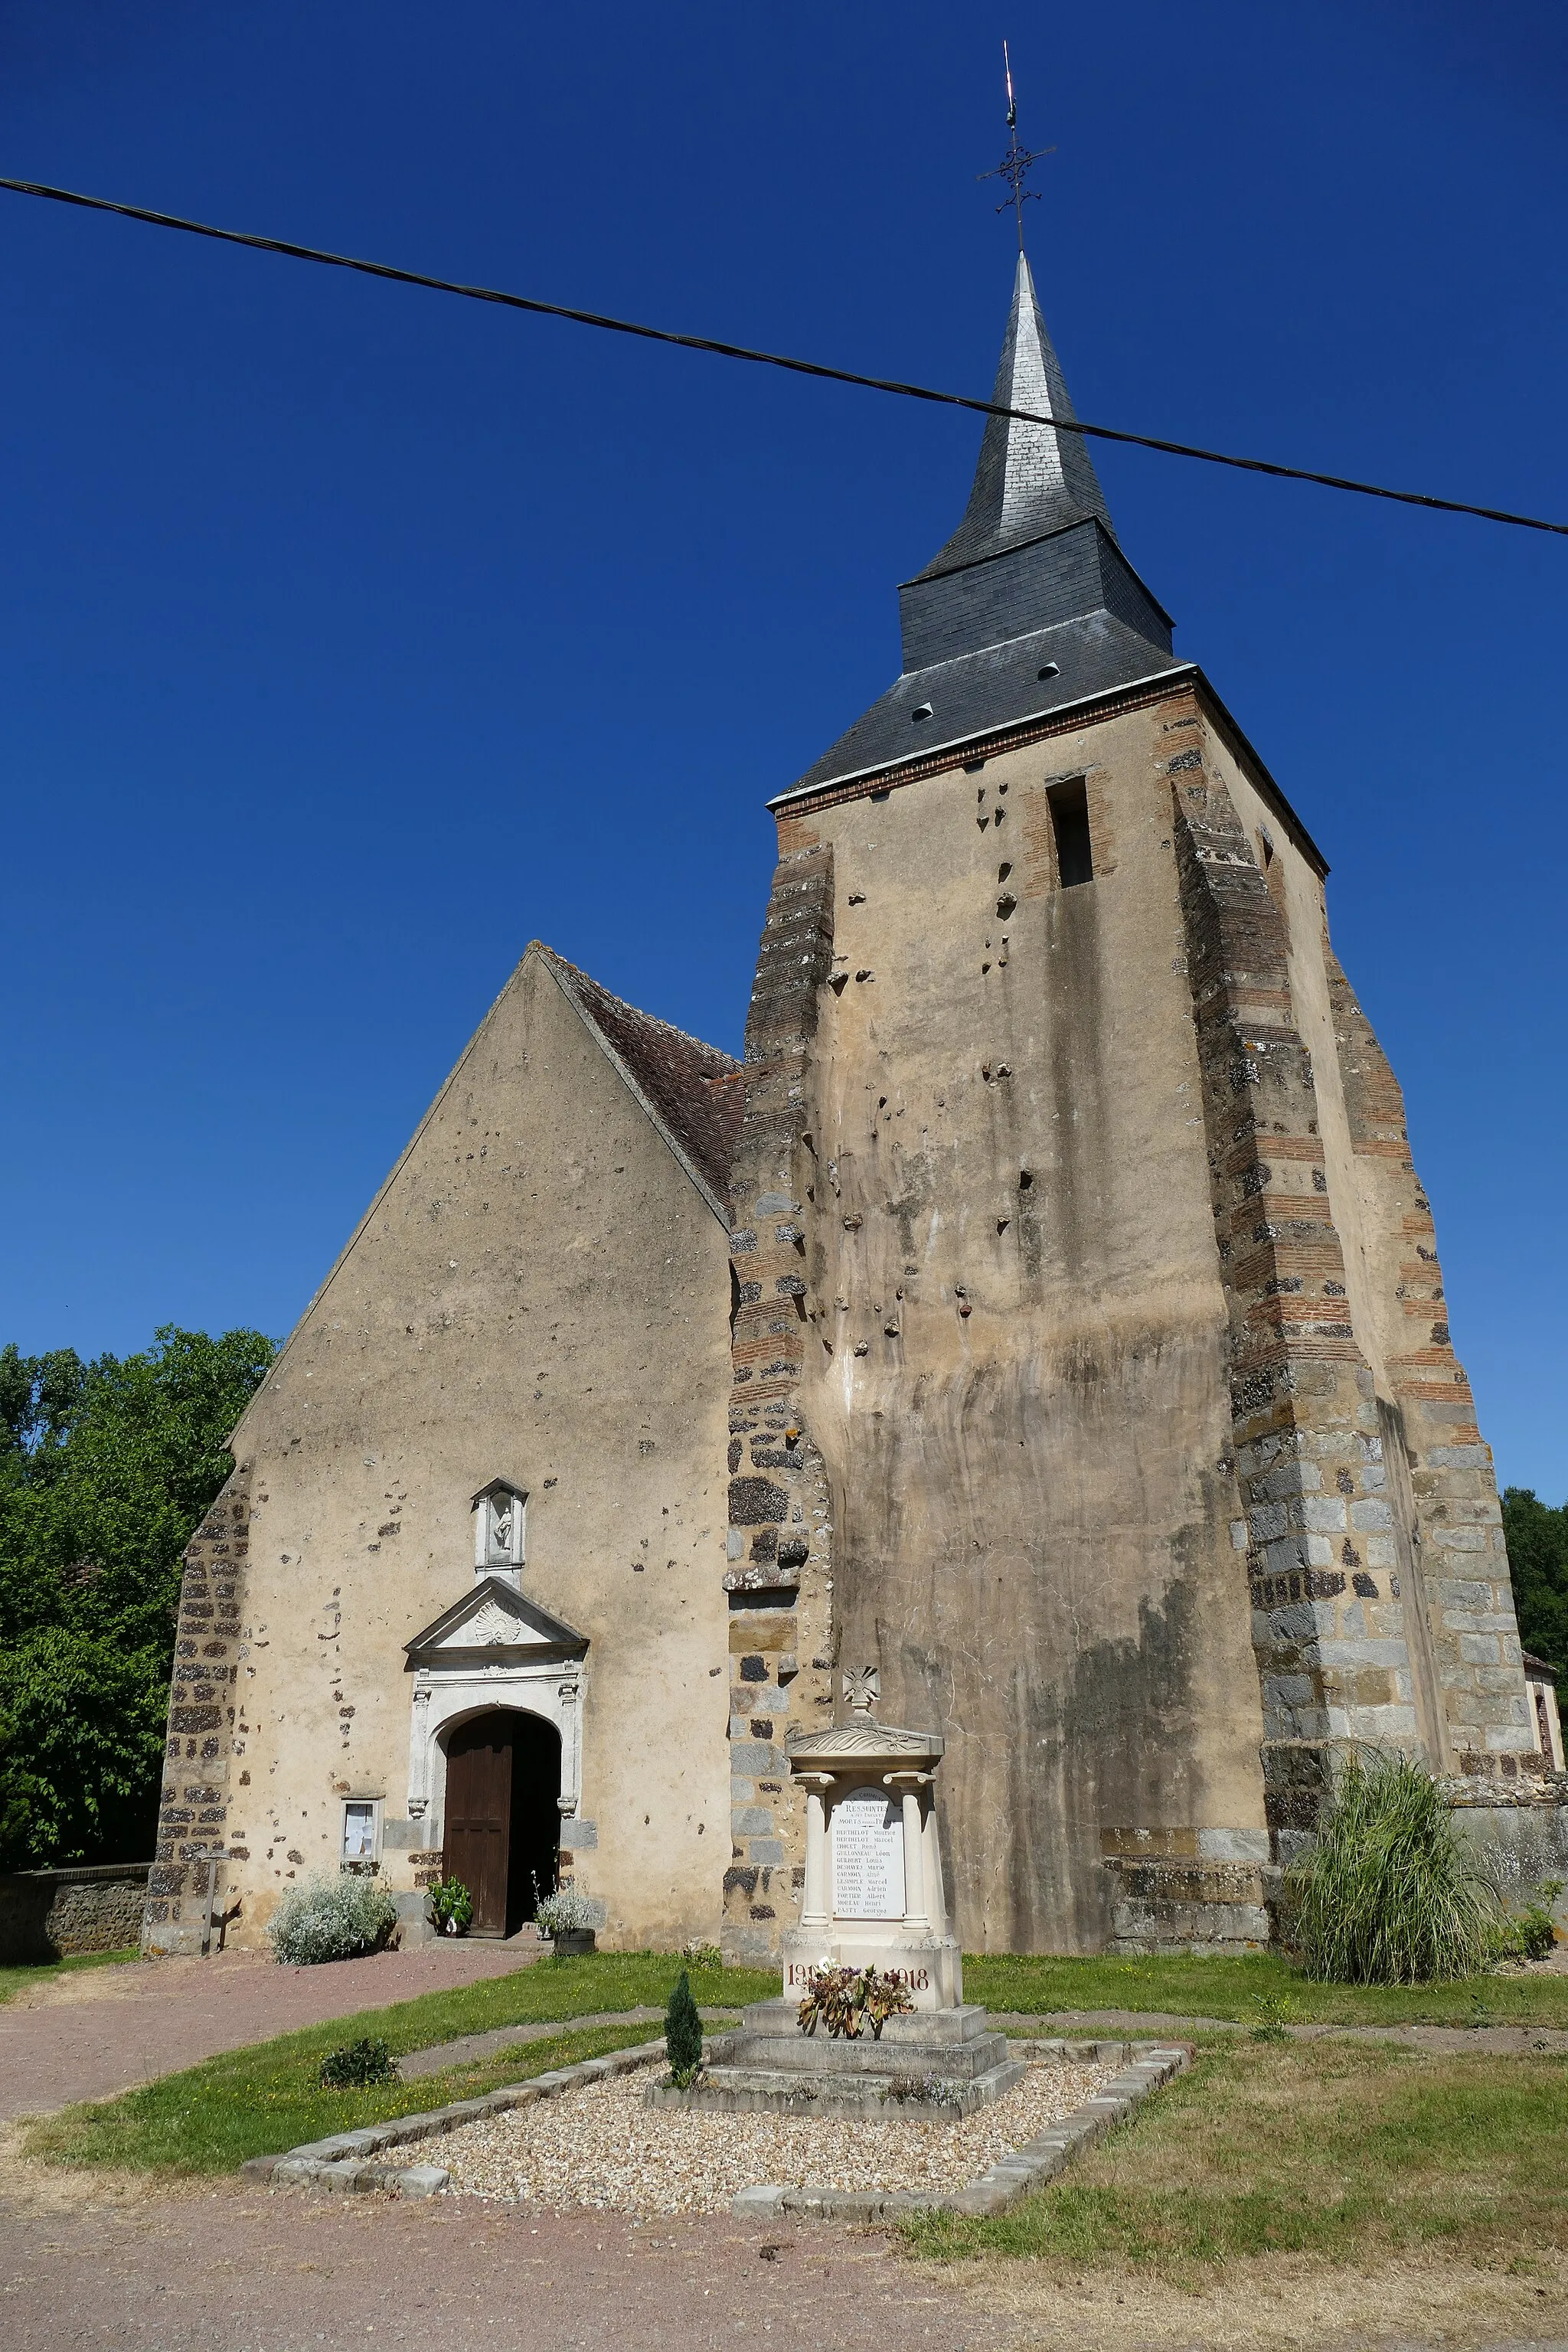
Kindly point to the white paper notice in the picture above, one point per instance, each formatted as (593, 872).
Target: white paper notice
(867, 1857)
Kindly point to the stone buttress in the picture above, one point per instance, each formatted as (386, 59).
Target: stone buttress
(779, 1569)
(1451, 1551)
(1363, 1547)
(186, 1890)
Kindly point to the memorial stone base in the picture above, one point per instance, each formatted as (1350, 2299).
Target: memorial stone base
(932, 2064)
(928, 1965)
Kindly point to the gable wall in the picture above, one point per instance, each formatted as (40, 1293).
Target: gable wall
(540, 1293)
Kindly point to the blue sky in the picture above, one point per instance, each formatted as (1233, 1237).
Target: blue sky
(353, 637)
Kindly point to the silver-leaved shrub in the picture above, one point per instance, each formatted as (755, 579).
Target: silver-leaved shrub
(330, 1919)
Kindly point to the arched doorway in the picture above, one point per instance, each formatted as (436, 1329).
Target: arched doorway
(502, 1835)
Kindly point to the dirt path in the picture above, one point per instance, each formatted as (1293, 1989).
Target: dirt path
(95, 2032)
(221, 2270)
(97, 2264)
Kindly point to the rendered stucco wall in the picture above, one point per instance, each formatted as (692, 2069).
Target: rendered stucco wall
(540, 1293)
(1013, 1352)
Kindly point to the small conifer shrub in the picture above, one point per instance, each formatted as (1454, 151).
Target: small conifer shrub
(330, 1919)
(682, 2034)
(357, 2065)
(1387, 1893)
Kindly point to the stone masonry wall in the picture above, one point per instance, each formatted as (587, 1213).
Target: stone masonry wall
(1457, 1556)
(779, 1545)
(46, 1914)
(204, 1718)
(1328, 1613)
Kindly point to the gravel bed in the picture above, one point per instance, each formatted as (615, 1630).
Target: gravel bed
(600, 2147)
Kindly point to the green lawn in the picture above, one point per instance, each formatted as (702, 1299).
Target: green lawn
(264, 2099)
(16, 1979)
(260, 2101)
(1347, 2151)
(1233, 1988)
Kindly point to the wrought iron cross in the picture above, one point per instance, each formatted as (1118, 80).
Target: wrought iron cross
(1015, 164)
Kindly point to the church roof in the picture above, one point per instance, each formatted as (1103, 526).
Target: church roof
(694, 1092)
(1030, 606)
(1030, 480)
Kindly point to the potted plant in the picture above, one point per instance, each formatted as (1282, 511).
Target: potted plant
(567, 1918)
(451, 1907)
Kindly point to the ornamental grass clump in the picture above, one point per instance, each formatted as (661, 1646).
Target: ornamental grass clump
(330, 1919)
(1387, 1894)
(683, 2035)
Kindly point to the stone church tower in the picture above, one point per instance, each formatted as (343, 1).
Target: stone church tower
(1078, 1242)
(1055, 1274)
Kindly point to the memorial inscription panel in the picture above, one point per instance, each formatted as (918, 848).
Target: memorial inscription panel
(867, 1857)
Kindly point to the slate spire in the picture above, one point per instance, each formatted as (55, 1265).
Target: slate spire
(1030, 480)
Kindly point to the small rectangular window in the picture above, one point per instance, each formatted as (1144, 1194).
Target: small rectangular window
(1069, 820)
(359, 1832)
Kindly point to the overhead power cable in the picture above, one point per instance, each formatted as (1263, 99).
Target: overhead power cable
(770, 359)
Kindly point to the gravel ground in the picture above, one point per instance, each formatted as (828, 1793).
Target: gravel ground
(601, 2147)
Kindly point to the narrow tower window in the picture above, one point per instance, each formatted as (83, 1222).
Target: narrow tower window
(1069, 820)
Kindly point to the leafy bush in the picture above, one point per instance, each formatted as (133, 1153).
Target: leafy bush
(1530, 1934)
(682, 2034)
(82, 1723)
(106, 1468)
(564, 1913)
(702, 1955)
(330, 1919)
(1387, 1894)
(1537, 1534)
(357, 2065)
(451, 1907)
(845, 1999)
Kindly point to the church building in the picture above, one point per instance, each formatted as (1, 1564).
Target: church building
(1046, 1315)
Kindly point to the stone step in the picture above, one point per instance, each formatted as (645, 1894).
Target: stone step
(913, 2092)
(820, 2054)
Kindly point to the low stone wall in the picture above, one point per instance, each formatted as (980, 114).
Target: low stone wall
(1519, 1833)
(46, 1914)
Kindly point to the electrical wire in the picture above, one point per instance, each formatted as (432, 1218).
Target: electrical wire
(772, 359)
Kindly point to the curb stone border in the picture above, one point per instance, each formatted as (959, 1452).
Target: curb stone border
(345, 2162)
(1016, 2175)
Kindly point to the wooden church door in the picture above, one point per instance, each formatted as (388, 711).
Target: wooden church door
(478, 1816)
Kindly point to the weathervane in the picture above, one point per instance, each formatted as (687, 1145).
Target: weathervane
(1015, 164)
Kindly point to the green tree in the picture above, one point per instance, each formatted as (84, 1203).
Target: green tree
(1537, 1536)
(105, 1471)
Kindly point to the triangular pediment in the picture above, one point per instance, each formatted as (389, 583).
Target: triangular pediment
(492, 1619)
